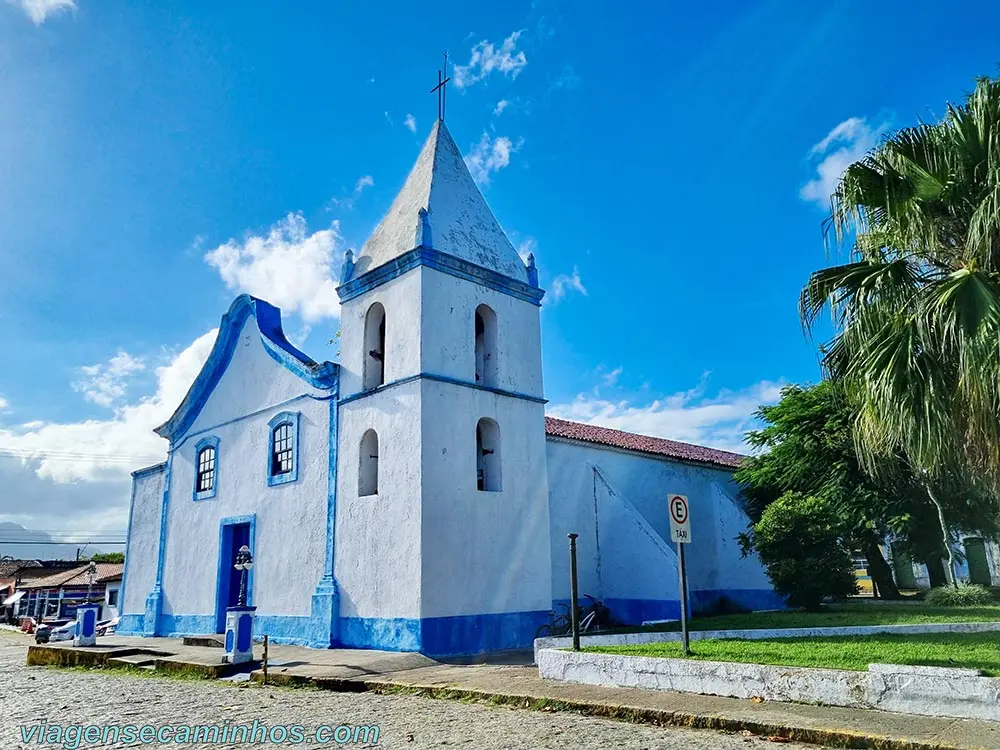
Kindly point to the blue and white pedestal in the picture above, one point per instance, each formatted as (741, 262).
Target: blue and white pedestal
(239, 634)
(86, 625)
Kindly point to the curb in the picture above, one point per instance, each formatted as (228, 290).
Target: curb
(632, 714)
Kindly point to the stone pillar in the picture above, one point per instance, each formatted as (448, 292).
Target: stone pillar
(86, 625)
(239, 634)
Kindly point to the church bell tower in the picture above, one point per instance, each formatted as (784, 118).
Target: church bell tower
(442, 516)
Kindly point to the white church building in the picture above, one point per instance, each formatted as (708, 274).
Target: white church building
(414, 496)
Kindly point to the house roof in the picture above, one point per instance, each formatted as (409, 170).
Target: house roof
(8, 568)
(267, 317)
(439, 207)
(77, 576)
(641, 443)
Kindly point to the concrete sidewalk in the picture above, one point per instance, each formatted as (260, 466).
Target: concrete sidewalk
(510, 679)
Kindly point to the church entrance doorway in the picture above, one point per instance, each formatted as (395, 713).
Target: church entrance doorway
(234, 536)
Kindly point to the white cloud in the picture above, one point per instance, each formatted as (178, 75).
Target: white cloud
(410, 122)
(490, 155)
(611, 378)
(485, 59)
(845, 144)
(105, 384)
(364, 182)
(501, 106)
(4, 403)
(102, 450)
(289, 267)
(39, 10)
(564, 283)
(567, 79)
(719, 421)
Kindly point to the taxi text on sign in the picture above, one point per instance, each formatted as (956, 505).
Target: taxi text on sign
(680, 519)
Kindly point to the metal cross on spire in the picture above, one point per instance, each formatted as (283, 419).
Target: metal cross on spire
(441, 88)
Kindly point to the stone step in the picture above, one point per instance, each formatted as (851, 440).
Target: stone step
(211, 641)
(134, 660)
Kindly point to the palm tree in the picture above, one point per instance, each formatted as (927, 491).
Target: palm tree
(917, 307)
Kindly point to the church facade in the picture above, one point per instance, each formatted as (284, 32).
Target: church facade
(415, 496)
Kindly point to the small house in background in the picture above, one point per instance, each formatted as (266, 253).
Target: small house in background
(56, 596)
(14, 574)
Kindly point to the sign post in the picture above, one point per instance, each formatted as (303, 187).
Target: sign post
(680, 532)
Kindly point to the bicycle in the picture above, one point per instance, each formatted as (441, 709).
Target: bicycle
(594, 618)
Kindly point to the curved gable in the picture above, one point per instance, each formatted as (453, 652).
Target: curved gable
(267, 318)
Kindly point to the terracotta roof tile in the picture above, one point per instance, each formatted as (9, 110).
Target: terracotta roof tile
(642, 443)
(77, 576)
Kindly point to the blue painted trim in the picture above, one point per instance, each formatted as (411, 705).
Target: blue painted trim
(154, 601)
(460, 635)
(233, 521)
(130, 625)
(449, 264)
(290, 418)
(252, 414)
(210, 441)
(324, 623)
(268, 320)
(442, 379)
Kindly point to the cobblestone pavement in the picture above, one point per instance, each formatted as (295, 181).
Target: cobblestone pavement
(29, 695)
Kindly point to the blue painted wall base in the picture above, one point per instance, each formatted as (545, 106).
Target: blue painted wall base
(154, 607)
(444, 636)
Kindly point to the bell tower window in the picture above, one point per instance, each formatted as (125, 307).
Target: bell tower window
(374, 342)
(486, 346)
(488, 456)
(368, 466)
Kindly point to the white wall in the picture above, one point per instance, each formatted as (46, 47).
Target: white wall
(713, 558)
(144, 541)
(483, 552)
(377, 550)
(290, 542)
(448, 330)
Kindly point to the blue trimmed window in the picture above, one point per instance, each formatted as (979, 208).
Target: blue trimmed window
(283, 448)
(206, 468)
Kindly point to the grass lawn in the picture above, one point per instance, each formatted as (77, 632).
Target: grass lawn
(838, 615)
(972, 650)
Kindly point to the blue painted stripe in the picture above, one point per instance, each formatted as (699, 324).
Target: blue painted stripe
(449, 264)
(442, 379)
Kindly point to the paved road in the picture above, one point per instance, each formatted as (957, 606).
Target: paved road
(29, 695)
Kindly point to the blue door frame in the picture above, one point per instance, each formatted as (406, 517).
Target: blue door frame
(233, 533)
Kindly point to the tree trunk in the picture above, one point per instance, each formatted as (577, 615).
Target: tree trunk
(881, 572)
(949, 572)
(935, 572)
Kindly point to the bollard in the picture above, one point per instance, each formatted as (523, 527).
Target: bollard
(573, 597)
(265, 659)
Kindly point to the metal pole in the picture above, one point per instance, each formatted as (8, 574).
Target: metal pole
(265, 659)
(683, 588)
(573, 597)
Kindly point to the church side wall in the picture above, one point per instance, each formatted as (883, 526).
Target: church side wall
(287, 521)
(377, 550)
(579, 503)
(142, 548)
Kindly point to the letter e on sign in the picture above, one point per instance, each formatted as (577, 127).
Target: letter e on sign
(680, 519)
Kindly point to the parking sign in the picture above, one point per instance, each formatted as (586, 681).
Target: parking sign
(680, 519)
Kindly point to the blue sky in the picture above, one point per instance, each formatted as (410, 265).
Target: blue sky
(668, 164)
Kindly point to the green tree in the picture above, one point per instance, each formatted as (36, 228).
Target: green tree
(807, 446)
(917, 307)
(800, 541)
(108, 557)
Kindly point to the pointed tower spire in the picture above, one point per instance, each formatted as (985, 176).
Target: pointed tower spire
(440, 208)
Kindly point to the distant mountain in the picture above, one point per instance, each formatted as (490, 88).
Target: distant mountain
(12, 542)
